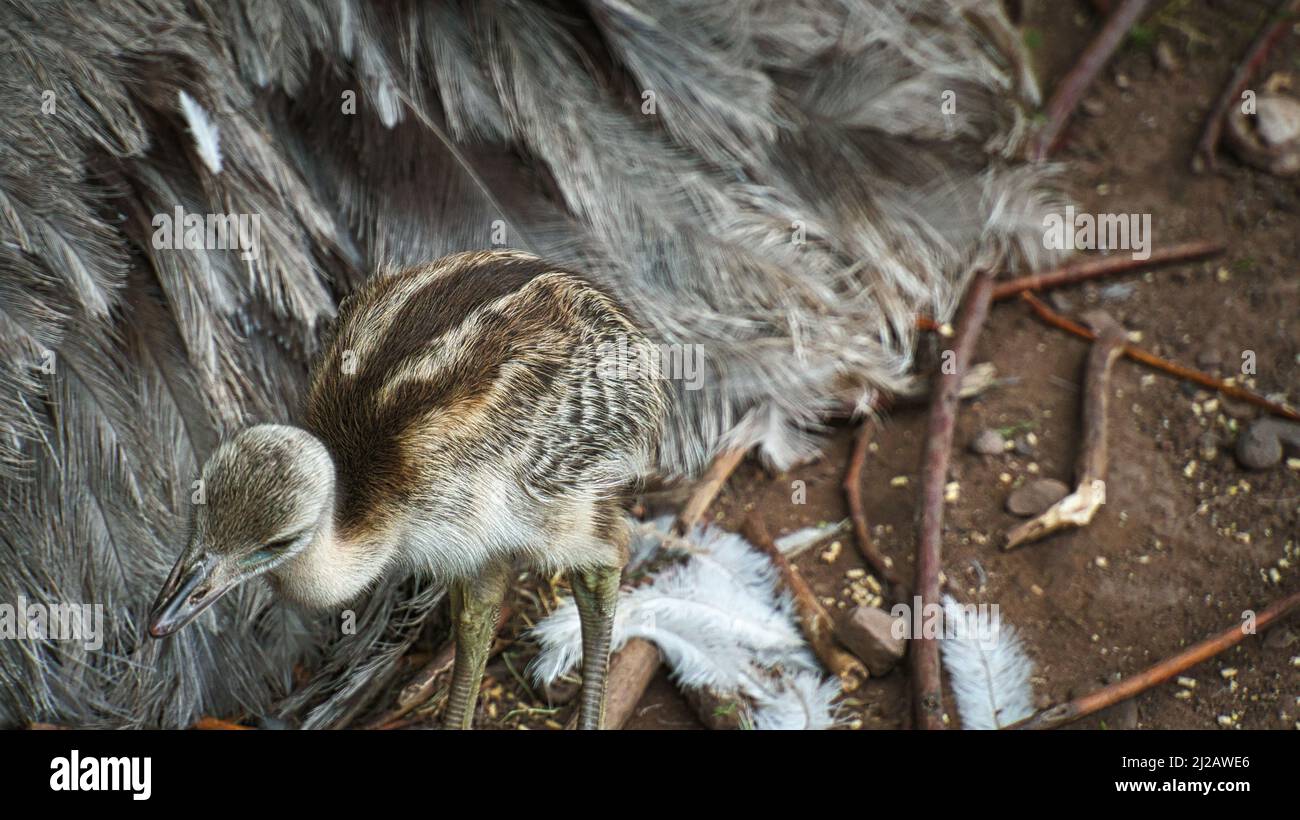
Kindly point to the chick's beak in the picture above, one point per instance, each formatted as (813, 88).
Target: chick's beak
(195, 583)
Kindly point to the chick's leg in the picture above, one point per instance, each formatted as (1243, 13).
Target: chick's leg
(595, 591)
(475, 604)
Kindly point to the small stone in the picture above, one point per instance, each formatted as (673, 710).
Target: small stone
(1094, 107)
(868, 633)
(1101, 562)
(1186, 682)
(987, 443)
(1261, 444)
(1035, 496)
(1024, 448)
(1228, 673)
(898, 481)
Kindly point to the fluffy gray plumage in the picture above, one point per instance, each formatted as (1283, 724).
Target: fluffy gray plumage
(368, 134)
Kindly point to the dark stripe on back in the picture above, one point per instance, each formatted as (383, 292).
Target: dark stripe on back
(364, 438)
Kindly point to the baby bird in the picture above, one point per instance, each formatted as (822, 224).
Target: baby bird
(468, 416)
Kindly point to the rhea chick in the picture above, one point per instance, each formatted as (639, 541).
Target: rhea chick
(464, 419)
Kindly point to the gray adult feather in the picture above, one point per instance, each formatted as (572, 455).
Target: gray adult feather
(674, 151)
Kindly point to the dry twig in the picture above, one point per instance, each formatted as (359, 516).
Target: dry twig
(1157, 674)
(1081, 270)
(1163, 365)
(710, 484)
(1078, 508)
(927, 691)
(1068, 94)
(814, 620)
(880, 565)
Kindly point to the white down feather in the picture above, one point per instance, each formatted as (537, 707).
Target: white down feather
(720, 623)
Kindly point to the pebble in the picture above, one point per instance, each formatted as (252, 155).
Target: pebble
(1024, 447)
(1260, 445)
(987, 443)
(868, 633)
(1035, 496)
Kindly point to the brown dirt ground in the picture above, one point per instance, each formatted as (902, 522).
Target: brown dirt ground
(1179, 551)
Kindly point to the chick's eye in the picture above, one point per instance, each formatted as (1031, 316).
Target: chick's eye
(269, 551)
(279, 544)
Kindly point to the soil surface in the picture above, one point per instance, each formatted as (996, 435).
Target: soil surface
(1188, 539)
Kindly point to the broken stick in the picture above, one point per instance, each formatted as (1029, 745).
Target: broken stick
(1068, 94)
(1078, 508)
(813, 618)
(1096, 267)
(1159, 673)
(1137, 354)
(711, 483)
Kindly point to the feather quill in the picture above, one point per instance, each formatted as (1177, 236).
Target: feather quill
(207, 137)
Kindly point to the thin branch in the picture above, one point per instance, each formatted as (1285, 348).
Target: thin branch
(1068, 94)
(814, 620)
(880, 565)
(927, 691)
(1163, 365)
(710, 484)
(1159, 673)
(1078, 508)
(1205, 156)
(1096, 267)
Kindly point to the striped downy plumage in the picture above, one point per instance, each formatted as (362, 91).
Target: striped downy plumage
(468, 415)
(783, 185)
